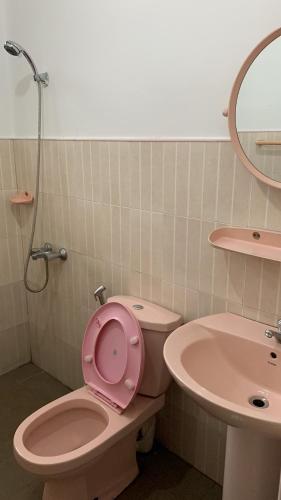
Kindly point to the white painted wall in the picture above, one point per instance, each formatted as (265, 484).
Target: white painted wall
(130, 68)
(7, 100)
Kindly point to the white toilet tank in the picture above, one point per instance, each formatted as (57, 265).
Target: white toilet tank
(156, 323)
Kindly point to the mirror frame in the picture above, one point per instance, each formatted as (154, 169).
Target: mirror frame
(232, 110)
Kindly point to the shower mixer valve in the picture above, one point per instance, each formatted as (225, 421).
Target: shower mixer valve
(48, 253)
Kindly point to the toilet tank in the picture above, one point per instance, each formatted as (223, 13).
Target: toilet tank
(156, 323)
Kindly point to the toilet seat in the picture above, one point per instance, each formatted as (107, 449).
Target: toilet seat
(113, 355)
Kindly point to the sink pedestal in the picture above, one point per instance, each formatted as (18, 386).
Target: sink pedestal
(252, 466)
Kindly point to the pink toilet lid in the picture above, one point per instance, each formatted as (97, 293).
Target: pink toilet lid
(113, 355)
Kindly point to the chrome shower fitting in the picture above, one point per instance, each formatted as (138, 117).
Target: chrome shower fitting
(42, 80)
(15, 49)
(99, 294)
(47, 253)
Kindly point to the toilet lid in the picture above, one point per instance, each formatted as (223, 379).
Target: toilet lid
(113, 355)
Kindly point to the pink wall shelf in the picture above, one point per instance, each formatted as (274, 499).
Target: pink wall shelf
(24, 198)
(259, 243)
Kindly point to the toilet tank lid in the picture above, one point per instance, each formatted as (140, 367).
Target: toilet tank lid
(150, 316)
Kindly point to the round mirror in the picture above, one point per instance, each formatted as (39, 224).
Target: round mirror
(255, 111)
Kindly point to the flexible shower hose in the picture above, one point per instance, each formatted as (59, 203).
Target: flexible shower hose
(36, 197)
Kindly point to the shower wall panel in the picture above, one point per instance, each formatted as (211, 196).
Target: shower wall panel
(14, 338)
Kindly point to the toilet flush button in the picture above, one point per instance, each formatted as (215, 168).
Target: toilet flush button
(88, 358)
(129, 384)
(134, 340)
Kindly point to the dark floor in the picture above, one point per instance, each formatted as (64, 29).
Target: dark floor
(163, 475)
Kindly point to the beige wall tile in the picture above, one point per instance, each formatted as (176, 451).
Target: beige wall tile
(11, 262)
(116, 280)
(25, 153)
(145, 242)
(195, 184)
(135, 231)
(125, 237)
(205, 304)
(157, 235)
(167, 295)
(157, 167)
(146, 172)
(221, 266)
(191, 304)
(134, 286)
(219, 305)
(61, 167)
(241, 195)
(259, 204)
(114, 173)
(234, 308)
(179, 277)
(77, 211)
(206, 259)
(90, 229)
(169, 170)
(269, 286)
(168, 247)
(225, 180)
(193, 256)
(134, 162)
(182, 175)
(236, 277)
(10, 215)
(179, 299)
(105, 233)
(274, 208)
(96, 170)
(51, 181)
(210, 184)
(116, 234)
(87, 169)
(145, 286)
(156, 284)
(104, 172)
(124, 174)
(15, 349)
(74, 159)
(253, 276)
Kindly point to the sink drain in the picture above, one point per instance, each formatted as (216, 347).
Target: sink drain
(258, 402)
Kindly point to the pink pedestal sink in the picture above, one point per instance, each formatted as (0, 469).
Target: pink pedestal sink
(227, 364)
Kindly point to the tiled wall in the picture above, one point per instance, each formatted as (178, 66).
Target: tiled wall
(14, 341)
(136, 216)
(266, 158)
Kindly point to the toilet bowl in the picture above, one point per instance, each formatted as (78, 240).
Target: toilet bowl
(75, 442)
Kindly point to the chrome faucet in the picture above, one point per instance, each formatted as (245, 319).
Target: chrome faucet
(99, 294)
(273, 333)
(47, 253)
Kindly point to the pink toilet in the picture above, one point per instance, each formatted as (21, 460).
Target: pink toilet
(84, 444)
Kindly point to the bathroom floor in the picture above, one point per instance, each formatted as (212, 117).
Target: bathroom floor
(163, 476)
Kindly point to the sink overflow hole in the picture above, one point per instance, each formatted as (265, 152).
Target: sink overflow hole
(258, 402)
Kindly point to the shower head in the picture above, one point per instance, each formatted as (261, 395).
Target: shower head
(14, 49)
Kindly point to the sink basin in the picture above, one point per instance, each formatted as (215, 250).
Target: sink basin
(227, 364)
